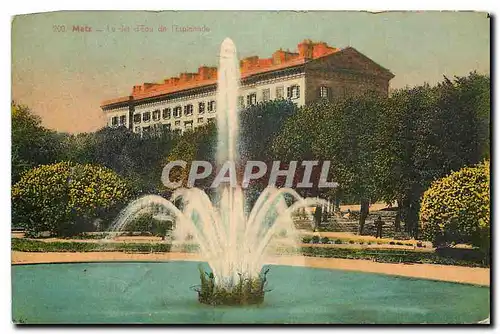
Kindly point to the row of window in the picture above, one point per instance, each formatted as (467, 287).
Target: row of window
(122, 120)
(167, 126)
(292, 92)
(176, 112)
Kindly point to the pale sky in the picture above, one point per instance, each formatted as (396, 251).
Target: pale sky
(63, 76)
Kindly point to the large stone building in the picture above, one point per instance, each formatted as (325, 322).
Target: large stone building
(315, 71)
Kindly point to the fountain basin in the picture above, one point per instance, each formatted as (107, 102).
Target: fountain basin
(159, 293)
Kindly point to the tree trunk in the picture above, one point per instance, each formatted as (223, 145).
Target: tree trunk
(365, 208)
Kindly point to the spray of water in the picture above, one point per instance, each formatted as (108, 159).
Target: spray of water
(233, 242)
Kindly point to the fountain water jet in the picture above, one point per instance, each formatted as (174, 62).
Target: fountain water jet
(233, 243)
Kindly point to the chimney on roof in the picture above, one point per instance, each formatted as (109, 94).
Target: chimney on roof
(207, 73)
(186, 77)
(249, 63)
(322, 49)
(280, 56)
(171, 81)
(137, 89)
(306, 49)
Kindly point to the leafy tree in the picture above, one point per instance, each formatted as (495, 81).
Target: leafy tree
(424, 133)
(259, 125)
(135, 157)
(456, 208)
(65, 198)
(32, 144)
(197, 144)
(340, 131)
(347, 138)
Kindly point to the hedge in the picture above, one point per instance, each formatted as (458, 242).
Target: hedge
(456, 208)
(67, 198)
(455, 257)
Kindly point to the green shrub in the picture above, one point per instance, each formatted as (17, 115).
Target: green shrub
(26, 245)
(325, 240)
(351, 242)
(247, 291)
(315, 239)
(306, 240)
(147, 225)
(392, 243)
(66, 198)
(456, 208)
(393, 256)
(338, 242)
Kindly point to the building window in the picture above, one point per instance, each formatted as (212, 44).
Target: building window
(211, 120)
(201, 108)
(293, 92)
(167, 113)
(146, 129)
(188, 109)
(188, 125)
(146, 117)
(114, 121)
(166, 127)
(200, 119)
(177, 111)
(137, 129)
(266, 94)
(251, 99)
(156, 115)
(177, 123)
(211, 106)
(123, 119)
(280, 91)
(137, 118)
(241, 102)
(324, 91)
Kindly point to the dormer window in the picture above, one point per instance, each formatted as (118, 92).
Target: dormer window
(293, 92)
(123, 119)
(146, 117)
(114, 121)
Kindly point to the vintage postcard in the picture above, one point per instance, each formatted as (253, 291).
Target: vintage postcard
(250, 167)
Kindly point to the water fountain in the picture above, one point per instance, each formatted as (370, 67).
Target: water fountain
(233, 242)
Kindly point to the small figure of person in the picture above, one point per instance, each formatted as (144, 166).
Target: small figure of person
(348, 214)
(378, 224)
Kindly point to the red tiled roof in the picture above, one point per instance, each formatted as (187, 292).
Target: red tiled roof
(250, 66)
